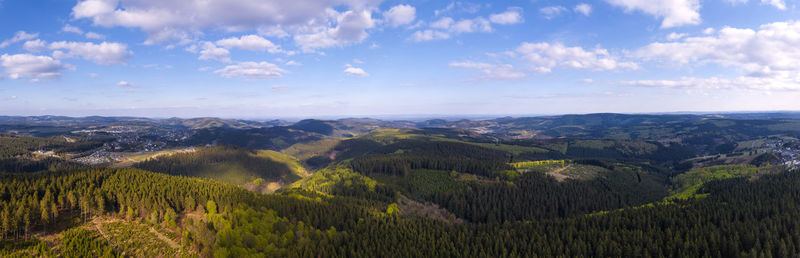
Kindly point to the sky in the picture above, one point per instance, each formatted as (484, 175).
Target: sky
(339, 58)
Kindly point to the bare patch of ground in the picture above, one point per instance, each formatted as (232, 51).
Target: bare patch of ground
(556, 173)
(411, 207)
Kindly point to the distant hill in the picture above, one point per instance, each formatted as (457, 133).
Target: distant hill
(226, 164)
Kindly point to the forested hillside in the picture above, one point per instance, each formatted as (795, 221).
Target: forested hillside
(228, 164)
(305, 191)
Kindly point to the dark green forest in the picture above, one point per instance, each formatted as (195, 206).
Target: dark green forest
(403, 193)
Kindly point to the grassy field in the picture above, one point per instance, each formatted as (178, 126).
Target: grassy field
(290, 161)
(324, 180)
(687, 184)
(306, 150)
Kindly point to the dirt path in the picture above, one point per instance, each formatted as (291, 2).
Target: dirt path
(165, 239)
(103, 233)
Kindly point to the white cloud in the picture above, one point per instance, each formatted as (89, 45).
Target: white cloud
(551, 12)
(709, 31)
(427, 35)
(767, 57)
(184, 21)
(491, 71)
(511, 16)
(292, 63)
(36, 45)
(251, 70)
(773, 48)
(105, 53)
(18, 37)
(209, 51)
(780, 4)
(458, 7)
(583, 8)
(273, 31)
(545, 56)
(125, 84)
(444, 27)
(675, 36)
(350, 70)
(350, 28)
(94, 75)
(471, 25)
(781, 83)
(72, 29)
(673, 12)
(400, 15)
(249, 42)
(31, 66)
(443, 23)
(92, 35)
(79, 31)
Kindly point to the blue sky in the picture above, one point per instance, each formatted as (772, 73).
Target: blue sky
(315, 58)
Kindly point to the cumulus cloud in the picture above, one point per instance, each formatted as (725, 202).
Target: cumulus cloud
(251, 70)
(427, 35)
(72, 29)
(551, 12)
(766, 57)
(209, 51)
(185, 20)
(18, 37)
(780, 4)
(491, 71)
(584, 9)
(458, 7)
(445, 27)
(773, 48)
(351, 27)
(543, 57)
(31, 66)
(675, 36)
(778, 83)
(511, 16)
(673, 12)
(92, 35)
(400, 15)
(105, 53)
(479, 24)
(79, 31)
(249, 42)
(355, 71)
(36, 45)
(443, 23)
